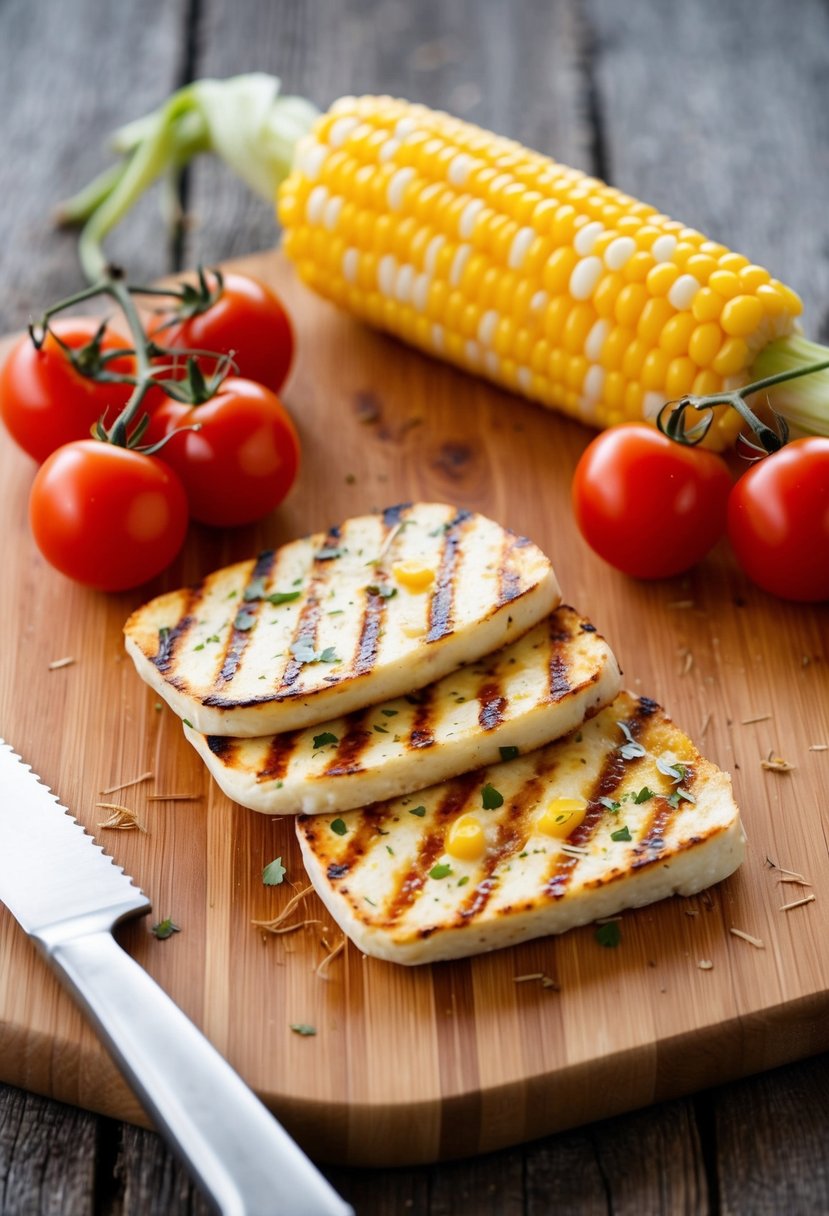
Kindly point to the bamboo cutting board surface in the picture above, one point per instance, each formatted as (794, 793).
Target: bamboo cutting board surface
(418, 1064)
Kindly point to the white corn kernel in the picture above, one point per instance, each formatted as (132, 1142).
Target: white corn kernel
(682, 293)
(468, 216)
(619, 252)
(397, 187)
(586, 237)
(341, 129)
(521, 242)
(584, 278)
(663, 247)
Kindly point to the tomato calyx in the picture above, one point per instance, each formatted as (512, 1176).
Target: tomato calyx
(193, 300)
(92, 361)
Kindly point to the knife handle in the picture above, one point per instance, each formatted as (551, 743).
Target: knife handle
(245, 1162)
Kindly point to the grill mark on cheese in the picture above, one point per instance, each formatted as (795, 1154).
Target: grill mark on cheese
(610, 778)
(455, 798)
(493, 705)
(307, 623)
(442, 605)
(509, 579)
(652, 838)
(512, 836)
(223, 746)
(280, 750)
(422, 733)
(374, 609)
(239, 638)
(351, 746)
(165, 657)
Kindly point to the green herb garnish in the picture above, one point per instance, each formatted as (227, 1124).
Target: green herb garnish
(165, 928)
(338, 827)
(304, 1029)
(643, 795)
(441, 870)
(273, 873)
(328, 554)
(420, 811)
(508, 753)
(491, 798)
(630, 750)
(609, 934)
(324, 739)
(621, 834)
(244, 621)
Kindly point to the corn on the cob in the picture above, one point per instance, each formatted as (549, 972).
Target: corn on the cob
(499, 259)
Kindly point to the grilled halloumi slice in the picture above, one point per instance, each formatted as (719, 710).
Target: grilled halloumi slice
(623, 812)
(534, 690)
(381, 605)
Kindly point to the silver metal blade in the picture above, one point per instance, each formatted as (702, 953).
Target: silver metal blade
(52, 873)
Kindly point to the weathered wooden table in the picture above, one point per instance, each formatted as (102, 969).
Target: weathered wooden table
(715, 113)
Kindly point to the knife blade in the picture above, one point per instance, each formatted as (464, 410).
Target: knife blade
(68, 895)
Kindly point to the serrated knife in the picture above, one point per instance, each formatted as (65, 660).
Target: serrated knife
(68, 895)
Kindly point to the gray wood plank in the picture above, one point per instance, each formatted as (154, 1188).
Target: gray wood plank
(649, 1161)
(510, 68)
(69, 74)
(717, 113)
(150, 1180)
(772, 1142)
(47, 1157)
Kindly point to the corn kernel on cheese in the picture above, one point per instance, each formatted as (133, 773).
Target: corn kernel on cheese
(541, 278)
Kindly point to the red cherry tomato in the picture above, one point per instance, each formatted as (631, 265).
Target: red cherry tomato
(241, 462)
(247, 321)
(778, 521)
(45, 402)
(649, 506)
(107, 516)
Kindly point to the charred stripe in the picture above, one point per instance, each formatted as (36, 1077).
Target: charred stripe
(280, 750)
(351, 746)
(441, 608)
(422, 732)
(246, 618)
(493, 705)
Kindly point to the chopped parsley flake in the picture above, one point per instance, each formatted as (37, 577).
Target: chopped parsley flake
(390, 850)
(283, 597)
(254, 590)
(609, 935)
(304, 1029)
(420, 811)
(165, 928)
(678, 794)
(244, 621)
(383, 590)
(381, 730)
(328, 554)
(389, 713)
(273, 873)
(643, 795)
(441, 870)
(324, 739)
(491, 798)
(610, 804)
(187, 722)
(463, 881)
(621, 834)
(304, 652)
(338, 827)
(199, 647)
(508, 753)
(214, 637)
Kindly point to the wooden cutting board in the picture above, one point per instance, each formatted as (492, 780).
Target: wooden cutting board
(418, 1064)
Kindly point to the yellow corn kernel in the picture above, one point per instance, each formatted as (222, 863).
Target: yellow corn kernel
(630, 302)
(465, 838)
(577, 327)
(655, 315)
(679, 377)
(725, 283)
(733, 261)
(556, 274)
(654, 369)
(606, 294)
(676, 335)
(706, 383)
(753, 277)
(414, 575)
(741, 315)
(661, 279)
(561, 817)
(707, 305)
(732, 357)
(705, 342)
(634, 358)
(615, 346)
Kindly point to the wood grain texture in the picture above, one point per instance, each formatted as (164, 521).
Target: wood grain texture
(487, 1062)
